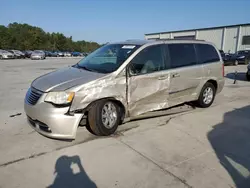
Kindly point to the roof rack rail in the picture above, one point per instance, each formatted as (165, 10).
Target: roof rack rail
(181, 39)
(132, 39)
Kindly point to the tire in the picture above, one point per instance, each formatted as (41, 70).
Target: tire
(236, 63)
(248, 76)
(1, 57)
(201, 101)
(89, 129)
(98, 124)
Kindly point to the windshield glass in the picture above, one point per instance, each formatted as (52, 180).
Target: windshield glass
(38, 51)
(3, 51)
(17, 51)
(107, 58)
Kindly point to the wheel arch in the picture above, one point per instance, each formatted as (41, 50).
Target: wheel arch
(113, 99)
(214, 82)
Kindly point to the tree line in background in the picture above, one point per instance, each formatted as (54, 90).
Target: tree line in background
(26, 37)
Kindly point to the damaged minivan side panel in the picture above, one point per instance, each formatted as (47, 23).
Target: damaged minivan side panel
(137, 93)
(106, 87)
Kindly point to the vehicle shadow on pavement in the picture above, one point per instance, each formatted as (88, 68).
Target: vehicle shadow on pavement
(231, 143)
(239, 76)
(66, 177)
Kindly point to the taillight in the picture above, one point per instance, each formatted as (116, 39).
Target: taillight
(223, 69)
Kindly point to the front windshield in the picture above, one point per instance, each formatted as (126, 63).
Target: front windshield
(107, 58)
(17, 51)
(3, 51)
(38, 51)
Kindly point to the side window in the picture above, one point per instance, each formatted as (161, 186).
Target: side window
(206, 53)
(182, 55)
(148, 60)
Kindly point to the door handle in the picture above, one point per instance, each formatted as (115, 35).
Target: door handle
(176, 75)
(163, 77)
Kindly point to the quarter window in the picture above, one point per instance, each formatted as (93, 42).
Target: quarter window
(148, 60)
(206, 53)
(182, 55)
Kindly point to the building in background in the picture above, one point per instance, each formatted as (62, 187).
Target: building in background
(230, 38)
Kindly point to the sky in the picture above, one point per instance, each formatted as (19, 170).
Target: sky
(116, 20)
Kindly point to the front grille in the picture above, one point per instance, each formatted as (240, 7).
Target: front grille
(33, 96)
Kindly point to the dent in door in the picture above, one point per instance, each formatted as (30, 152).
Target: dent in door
(148, 93)
(99, 89)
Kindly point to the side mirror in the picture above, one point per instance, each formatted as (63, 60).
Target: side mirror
(130, 71)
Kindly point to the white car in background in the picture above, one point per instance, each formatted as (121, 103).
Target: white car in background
(38, 54)
(6, 55)
(17, 54)
(67, 54)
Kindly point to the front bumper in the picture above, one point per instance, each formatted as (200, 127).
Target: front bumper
(51, 121)
(8, 57)
(36, 57)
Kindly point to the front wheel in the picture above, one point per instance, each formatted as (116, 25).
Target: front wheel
(207, 95)
(1, 57)
(104, 118)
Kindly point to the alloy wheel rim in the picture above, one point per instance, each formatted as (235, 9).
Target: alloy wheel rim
(109, 115)
(208, 95)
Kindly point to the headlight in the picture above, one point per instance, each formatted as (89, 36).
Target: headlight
(60, 98)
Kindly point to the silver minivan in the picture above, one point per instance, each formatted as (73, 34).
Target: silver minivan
(123, 80)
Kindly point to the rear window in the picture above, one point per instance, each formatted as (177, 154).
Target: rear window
(182, 55)
(206, 53)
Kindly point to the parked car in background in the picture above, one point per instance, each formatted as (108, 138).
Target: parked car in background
(227, 58)
(27, 53)
(67, 54)
(38, 54)
(242, 57)
(76, 54)
(248, 72)
(60, 54)
(17, 54)
(6, 55)
(85, 54)
(47, 53)
(53, 54)
(123, 80)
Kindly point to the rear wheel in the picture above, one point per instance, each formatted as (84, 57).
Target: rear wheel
(207, 95)
(104, 118)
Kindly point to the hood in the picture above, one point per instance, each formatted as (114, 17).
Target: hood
(63, 79)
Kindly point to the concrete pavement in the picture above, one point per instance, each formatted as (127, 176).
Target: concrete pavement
(197, 148)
